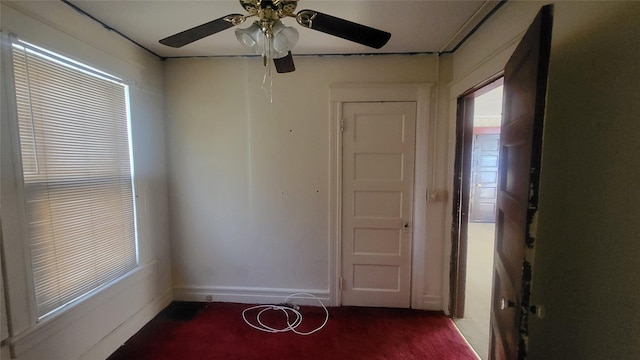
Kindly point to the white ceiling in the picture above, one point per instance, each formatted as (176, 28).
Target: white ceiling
(417, 26)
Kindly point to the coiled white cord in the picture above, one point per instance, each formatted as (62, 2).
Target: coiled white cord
(291, 326)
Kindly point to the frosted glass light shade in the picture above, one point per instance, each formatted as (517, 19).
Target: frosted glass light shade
(249, 37)
(284, 39)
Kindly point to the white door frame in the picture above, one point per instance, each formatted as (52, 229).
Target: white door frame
(419, 93)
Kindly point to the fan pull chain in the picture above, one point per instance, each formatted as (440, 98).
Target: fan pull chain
(267, 61)
(268, 88)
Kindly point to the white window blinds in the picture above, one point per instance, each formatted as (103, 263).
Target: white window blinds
(78, 186)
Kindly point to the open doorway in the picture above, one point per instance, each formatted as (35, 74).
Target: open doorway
(478, 137)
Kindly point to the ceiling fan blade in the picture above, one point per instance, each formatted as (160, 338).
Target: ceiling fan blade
(196, 33)
(285, 64)
(343, 28)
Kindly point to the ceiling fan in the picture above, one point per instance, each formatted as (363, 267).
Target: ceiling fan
(268, 36)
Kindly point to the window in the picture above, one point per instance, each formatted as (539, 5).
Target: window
(77, 171)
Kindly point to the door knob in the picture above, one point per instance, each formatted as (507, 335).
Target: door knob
(406, 225)
(505, 304)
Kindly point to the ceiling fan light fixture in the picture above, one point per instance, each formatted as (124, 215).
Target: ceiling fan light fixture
(284, 38)
(250, 36)
(254, 38)
(269, 38)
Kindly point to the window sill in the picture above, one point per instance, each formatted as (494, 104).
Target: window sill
(70, 314)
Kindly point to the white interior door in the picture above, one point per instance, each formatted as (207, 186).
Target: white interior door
(378, 146)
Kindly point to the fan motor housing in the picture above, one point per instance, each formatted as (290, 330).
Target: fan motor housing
(270, 8)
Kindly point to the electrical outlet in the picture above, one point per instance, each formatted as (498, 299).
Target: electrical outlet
(208, 298)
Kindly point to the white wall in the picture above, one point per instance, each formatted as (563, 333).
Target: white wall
(587, 250)
(586, 271)
(249, 180)
(97, 326)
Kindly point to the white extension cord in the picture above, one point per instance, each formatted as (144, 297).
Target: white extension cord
(287, 310)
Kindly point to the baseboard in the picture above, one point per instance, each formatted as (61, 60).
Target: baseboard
(432, 302)
(465, 339)
(247, 295)
(122, 333)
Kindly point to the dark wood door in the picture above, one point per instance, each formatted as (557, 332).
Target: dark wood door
(484, 177)
(525, 82)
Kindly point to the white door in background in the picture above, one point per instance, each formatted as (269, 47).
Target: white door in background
(378, 146)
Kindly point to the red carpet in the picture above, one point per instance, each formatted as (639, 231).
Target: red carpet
(190, 331)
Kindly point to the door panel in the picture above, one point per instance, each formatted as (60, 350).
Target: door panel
(525, 80)
(377, 192)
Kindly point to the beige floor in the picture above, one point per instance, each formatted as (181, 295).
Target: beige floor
(475, 324)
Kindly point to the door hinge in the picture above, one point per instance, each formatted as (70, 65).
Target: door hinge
(342, 125)
(340, 284)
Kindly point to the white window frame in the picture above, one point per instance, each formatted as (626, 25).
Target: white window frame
(25, 329)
